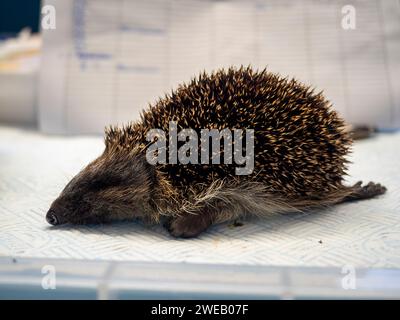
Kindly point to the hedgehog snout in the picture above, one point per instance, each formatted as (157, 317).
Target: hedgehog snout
(51, 218)
(55, 216)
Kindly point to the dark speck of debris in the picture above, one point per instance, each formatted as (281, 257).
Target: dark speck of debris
(14, 260)
(320, 241)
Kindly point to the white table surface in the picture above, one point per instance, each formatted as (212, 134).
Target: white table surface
(35, 167)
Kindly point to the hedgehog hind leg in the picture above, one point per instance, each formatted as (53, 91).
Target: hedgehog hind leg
(223, 202)
(360, 192)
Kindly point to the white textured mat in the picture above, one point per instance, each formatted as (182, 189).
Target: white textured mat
(34, 168)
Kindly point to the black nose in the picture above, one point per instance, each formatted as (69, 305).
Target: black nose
(51, 218)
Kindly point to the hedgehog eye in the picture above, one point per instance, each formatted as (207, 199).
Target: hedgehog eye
(100, 184)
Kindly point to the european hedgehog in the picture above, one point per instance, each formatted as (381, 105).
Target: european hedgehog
(299, 158)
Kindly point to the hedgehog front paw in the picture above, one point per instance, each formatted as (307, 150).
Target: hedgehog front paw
(189, 225)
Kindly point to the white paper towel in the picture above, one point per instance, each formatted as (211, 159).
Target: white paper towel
(34, 168)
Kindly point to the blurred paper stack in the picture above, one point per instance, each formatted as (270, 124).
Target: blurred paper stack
(19, 67)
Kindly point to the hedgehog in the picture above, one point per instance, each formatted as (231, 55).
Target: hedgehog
(299, 154)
